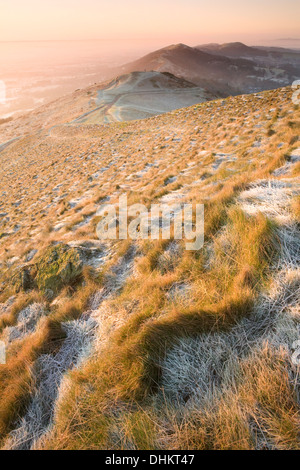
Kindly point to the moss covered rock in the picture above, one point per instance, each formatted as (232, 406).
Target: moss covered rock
(59, 266)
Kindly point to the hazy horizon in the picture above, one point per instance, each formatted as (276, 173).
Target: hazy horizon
(50, 48)
(165, 21)
(293, 43)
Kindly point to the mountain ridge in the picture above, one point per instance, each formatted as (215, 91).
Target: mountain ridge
(214, 69)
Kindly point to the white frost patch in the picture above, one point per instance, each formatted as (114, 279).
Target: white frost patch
(170, 180)
(169, 259)
(7, 305)
(83, 337)
(271, 197)
(27, 322)
(290, 165)
(221, 158)
(48, 374)
(31, 255)
(93, 252)
(179, 291)
(173, 197)
(198, 371)
(295, 155)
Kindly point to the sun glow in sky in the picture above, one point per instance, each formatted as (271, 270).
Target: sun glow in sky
(166, 21)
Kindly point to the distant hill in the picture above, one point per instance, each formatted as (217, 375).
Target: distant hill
(188, 63)
(139, 95)
(232, 49)
(226, 69)
(274, 57)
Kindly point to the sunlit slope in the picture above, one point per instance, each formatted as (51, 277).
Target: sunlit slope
(140, 344)
(137, 95)
(143, 94)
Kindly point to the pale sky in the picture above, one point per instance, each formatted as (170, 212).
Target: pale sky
(168, 21)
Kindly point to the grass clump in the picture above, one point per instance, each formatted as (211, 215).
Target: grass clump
(22, 301)
(129, 369)
(16, 379)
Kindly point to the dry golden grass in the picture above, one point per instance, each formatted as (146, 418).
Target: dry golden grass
(263, 403)
(16, 375)
(22, 301)
(128, 370)
(114, 400)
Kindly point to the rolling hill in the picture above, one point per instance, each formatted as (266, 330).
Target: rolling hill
(139, 95)
(139, 343)
(211, 68)
(233, 49)
(280, 62)
(136, 95)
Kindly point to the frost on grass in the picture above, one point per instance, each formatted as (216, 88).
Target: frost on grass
(169, 259)
(198, 371)
(48, 374)
(179, 291)
(122, 270)
(27, 322)
(293, 159)
(4, 307)
(50, 371)
(271, 197)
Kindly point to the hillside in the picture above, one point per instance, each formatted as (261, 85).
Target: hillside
(139, 95)
(233, 49)
(281, 65)
(140, 344)
(136, 95)
(228, 70)
(240, 50)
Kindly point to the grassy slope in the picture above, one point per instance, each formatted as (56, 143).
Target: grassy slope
(116, 399)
